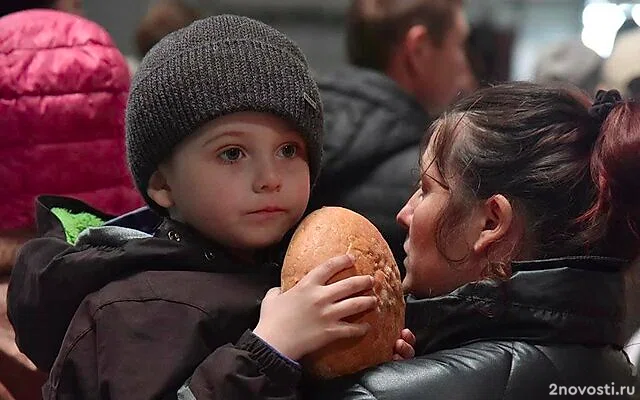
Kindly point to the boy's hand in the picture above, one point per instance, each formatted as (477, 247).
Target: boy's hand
(310, 315)
(403, 349)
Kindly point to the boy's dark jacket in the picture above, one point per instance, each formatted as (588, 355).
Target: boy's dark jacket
(169, 315)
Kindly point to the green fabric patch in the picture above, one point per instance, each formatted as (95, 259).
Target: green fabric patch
(73, 224)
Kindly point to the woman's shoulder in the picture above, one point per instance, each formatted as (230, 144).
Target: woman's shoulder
(488, 370)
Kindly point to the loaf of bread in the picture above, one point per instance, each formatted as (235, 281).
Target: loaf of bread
(330, 232)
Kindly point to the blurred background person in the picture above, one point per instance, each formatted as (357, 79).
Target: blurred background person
(622, 69)
(162, 18)
(408, 62)
(11, 6)
(572, 62)
(489, 53)
(63, 90)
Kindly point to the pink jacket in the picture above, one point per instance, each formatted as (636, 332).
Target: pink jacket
(63, 90)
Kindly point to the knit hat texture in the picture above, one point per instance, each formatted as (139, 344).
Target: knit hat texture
(214, 67)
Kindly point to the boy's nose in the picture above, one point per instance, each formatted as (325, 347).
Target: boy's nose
(268, 179)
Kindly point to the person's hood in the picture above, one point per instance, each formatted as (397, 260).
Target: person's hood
(63, 93)
(367, 118)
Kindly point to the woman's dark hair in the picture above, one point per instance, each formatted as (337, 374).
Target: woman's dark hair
(572, 180)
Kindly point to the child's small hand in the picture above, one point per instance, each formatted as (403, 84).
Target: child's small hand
(403, 349)
(310, 315)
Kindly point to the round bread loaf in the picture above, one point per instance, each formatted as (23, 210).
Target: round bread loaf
(330, 232)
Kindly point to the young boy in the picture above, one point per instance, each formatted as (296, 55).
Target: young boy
(223, 139)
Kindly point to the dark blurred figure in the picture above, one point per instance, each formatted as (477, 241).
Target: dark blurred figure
(408, 63)
(489, 51)
(571, 62)
(11, 6)
(163, 17)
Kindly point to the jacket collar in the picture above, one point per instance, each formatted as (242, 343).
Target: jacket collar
(577, 300)
(173, 245)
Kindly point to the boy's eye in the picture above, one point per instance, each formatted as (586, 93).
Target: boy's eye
(289, 150)
(231, 155)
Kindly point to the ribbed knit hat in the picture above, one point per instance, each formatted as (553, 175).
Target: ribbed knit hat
(217, 66)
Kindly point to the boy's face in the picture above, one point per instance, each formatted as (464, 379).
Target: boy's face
(242, 180)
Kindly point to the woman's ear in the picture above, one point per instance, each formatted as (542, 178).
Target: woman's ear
(497, 218)
(159, 190)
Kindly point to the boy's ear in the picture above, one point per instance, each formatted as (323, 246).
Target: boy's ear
(497, 215)
(159, 191)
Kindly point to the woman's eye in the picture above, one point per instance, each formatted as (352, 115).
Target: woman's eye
(231, 155)
(288, 150)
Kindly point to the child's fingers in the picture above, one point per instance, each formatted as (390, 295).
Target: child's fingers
(323, 272)
(352, 306)
(404, 350)
(348, 287)
(344, 330)
(273, 292)
(408, 336)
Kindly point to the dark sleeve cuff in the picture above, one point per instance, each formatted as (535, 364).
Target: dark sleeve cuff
(271, 362)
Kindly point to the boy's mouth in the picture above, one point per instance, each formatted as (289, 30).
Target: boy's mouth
(270, 209)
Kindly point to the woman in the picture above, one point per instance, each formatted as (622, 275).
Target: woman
(63, 89)
(519, 237)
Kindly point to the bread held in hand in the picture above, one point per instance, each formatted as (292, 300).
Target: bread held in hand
(333, 231)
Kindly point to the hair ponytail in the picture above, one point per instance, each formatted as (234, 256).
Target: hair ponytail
(615, 167)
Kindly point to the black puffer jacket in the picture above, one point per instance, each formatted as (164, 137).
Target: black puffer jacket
(373, 131)
(162, 316)
(554, 328)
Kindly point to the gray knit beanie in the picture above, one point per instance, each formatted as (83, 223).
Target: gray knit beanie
(214, 67)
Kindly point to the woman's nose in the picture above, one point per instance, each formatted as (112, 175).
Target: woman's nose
(405, 215)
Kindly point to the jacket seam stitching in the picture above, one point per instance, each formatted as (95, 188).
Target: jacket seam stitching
(368, 391)
(65, 46)
(84, 333)
(18, 96)
(546, 356)
(511, 370)
(156, 298)
(521, 305)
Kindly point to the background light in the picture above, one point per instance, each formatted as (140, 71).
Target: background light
(601, 24)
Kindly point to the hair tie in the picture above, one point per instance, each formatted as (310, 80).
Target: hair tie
(604, 103)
